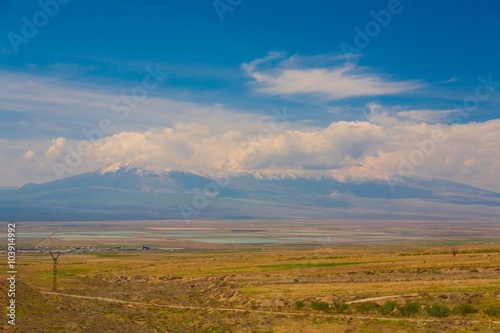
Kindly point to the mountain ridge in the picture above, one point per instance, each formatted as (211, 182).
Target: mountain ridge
(126, 191)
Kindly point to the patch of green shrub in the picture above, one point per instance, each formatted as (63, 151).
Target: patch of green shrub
(340, 306)
(409, 309)
(299, 304)
(463, 309)
(438, 310)
(492, 311)
(322, 306)
(388, 307)
(366, 306)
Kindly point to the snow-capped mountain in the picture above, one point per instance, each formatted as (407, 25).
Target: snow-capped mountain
(125, 191)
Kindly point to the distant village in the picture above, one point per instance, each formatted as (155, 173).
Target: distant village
(85, 249)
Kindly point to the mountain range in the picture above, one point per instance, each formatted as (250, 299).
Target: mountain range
(122, 191)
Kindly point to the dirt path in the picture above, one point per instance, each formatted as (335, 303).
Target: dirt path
(278, 313)
(381, 298)
(44, 241)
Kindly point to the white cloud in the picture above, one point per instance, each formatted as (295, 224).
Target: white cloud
(276, 75)
(29, 155)
(55, 148)
(470, 154)
(340, 144)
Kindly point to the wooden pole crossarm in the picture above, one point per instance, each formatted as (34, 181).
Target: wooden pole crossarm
(55, 255)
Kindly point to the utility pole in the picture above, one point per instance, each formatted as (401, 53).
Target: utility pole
(54, 256)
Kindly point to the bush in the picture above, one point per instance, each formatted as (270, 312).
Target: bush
(388, 307)
(463, 309)
(340, 306)
(323, 306)
(438, 310)
(492, 311)
(299, 304)
(409, 309)
(366, 306)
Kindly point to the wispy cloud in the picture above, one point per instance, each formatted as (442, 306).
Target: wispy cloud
(451, 79)
(65, 108)
(322, 77)
(391, 115)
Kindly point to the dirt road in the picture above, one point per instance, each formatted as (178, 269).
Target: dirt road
(277, 313)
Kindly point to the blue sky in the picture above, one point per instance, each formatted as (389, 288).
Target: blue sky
(416, 67)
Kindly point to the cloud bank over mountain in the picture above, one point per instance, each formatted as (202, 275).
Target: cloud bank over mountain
(387, 143)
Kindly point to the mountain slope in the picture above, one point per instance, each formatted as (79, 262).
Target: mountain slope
(122, 191)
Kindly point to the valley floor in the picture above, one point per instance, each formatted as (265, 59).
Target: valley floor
(399, 286)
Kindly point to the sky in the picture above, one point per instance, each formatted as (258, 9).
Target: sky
(349, 89)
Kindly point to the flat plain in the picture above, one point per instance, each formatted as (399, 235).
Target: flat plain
(258, 276)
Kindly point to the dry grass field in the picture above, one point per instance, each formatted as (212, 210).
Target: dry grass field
(398, 286)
